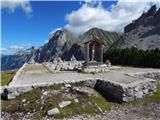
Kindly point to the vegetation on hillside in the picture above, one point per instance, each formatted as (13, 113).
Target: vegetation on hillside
(34, 104)
(6, 76)
(134, 57)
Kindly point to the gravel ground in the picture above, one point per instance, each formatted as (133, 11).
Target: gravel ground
(149, 110)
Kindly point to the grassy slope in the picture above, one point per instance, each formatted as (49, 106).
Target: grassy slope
(6, 76)
(86, 104)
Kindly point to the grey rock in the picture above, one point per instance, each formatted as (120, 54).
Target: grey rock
(139, 94)
(64, 104)
(11, 96)
(67, 85)
(76, 100)
(53, 111)
(73, 58)
(45, 93)
(24, 100)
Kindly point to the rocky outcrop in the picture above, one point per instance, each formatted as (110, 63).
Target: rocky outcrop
(61, 41)
(143, 33)
(76, 50)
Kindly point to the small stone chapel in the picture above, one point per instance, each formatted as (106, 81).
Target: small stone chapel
(93, 51)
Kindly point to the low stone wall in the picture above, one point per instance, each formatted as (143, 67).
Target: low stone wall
(18, 73)
(152, 74)
(125, 92)
(110, 89)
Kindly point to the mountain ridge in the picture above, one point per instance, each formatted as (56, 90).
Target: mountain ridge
(143, 33)
(62, 44)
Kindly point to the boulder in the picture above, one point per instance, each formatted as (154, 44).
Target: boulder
(53, 111)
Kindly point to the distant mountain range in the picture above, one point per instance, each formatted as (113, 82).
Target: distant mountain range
(143, 33)
(62, 44)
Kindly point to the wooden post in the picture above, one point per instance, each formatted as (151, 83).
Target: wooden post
(87, 52)
(101, 53)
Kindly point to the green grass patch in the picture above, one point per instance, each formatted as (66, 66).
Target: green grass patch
(100, 101)
(86, 105)
(54, 87)
(6, 76)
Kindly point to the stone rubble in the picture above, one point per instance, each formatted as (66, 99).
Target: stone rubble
(59, 65)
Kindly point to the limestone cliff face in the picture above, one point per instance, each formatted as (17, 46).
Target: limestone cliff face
(61, 41)
(143, 33)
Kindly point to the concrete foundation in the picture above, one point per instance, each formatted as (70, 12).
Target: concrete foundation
(122, 84)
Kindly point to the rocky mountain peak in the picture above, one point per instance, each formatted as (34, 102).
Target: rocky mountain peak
(152, 11)
(142, 33)
(146, 19)
(105, 37)
(158, 13)
(94, 31)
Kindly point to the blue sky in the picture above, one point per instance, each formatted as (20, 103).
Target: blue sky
(19, 28)
(29, 23)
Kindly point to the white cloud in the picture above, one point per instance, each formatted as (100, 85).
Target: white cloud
(120, 14)
(14, 48)
(2, 50)
(11, 5)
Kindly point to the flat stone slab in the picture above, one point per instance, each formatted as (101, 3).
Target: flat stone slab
(122, 83)
(39, 75)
